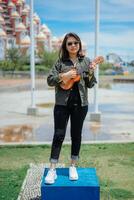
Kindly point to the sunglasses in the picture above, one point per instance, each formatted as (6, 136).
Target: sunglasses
(71, 43)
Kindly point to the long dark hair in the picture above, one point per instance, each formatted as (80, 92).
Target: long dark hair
(63, 53)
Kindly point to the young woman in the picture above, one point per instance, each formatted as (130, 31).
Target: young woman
(69, 103)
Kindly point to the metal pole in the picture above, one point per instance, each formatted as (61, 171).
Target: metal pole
(97, 18)
(32, 56)
(32, 110)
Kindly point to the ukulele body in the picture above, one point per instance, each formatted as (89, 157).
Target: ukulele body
(69, 83)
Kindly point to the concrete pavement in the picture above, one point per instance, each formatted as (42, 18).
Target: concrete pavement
(116, 107)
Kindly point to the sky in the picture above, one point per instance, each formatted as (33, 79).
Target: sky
(116, 23)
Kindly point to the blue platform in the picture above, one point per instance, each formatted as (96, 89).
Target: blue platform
(85, 188)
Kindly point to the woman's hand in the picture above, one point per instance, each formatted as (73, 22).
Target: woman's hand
(68, 75)
(97, 60)
(93, 65)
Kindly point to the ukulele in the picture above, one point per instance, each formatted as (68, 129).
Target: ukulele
(70, 82)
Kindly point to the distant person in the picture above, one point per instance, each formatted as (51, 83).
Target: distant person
(70, 100)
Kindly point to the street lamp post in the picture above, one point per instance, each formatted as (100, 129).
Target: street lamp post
(96, 115)
(32, 110)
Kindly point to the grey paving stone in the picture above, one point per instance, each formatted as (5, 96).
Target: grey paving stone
(30, 189)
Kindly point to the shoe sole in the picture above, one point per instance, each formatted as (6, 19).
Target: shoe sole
(73, 179)
(49, 183)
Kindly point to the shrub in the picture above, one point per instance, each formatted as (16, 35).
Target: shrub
(49, 58)
(15, 61)
(105, 66)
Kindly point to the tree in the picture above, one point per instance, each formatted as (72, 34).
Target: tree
(13, 56)
(49, 58)
(14, 61)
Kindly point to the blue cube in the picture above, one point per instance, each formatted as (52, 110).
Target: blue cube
(85, 188)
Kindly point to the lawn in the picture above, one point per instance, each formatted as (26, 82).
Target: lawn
(114, 164)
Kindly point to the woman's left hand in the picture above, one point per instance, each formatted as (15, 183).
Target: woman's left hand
(97, 60)
(93, 65)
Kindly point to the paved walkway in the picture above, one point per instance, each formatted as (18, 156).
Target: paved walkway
(117, 116)
(31, 187)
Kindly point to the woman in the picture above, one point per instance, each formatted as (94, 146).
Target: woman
(71, 103)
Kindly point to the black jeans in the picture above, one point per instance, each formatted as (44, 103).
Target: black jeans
(77, 115)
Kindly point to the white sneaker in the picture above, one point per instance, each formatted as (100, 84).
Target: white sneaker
(51, 176)
(73, 175)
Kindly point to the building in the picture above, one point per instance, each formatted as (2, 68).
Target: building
(15, 29)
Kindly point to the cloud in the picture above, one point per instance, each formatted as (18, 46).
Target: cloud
(71, 10)
(84, 10)
(120, 40)
(128, 3)
(122, 44)
(117, 11)
(63, 5)
(116, 21)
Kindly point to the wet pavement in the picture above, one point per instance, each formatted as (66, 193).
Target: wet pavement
(116, 107)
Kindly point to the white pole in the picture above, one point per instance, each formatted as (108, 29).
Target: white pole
(32, 61)
(97, 18)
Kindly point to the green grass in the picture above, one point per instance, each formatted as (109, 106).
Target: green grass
(10, 182)
(114, 164)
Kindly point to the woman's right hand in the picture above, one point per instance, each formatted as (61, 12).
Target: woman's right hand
(69, 75)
